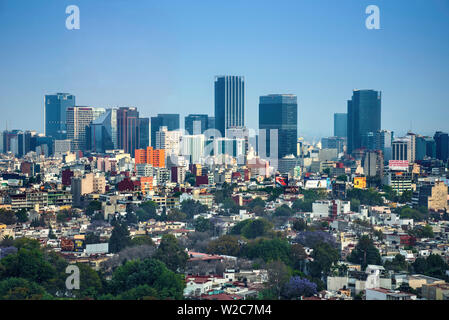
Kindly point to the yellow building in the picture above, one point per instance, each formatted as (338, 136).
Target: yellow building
(360, 182)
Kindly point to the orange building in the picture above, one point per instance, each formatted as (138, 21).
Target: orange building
(146, 184)
(155, 157)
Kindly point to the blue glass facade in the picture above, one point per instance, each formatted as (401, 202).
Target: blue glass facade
(340, 125)
(279, 112)
(55, 114)
(364, 118)
(196, 123)
(442, 145)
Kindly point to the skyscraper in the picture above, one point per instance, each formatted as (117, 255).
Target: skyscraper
(211, 123)
(168, 140)
(128, 129)
(340, 125)
(171, 121)
(55, 114)
(196, 123)
(442, 145)
(403, 149)
(431, 150)
(364, 118)
(384, 139)
(104, 132)
(229, 103)
(144, 139)
(278, 112)
(78, 119)
(192, 147)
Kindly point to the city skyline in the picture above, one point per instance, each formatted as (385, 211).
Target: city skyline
(151, 66)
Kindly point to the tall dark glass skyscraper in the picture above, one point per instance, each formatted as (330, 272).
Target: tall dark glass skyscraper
(280, 112)
(103, 132)
(169, 120)
(364, 118)
(55, 114)
(442, 145)
(196, 123)
(144, 139)
(128, 129)
(229, 103)
(340, 125)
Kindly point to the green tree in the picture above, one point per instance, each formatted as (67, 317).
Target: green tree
(92, 207)
(22, 216)
(92, 238)
(150, 272)
(191, 208)
(299, 225)
(257, 228)
(406, 196)
(51, 235)
(252, 228)
(7, 217)
(171, 253)
(90, 282)
(283, 211)
(142, 240)
(7, 241)
(433, 266)
(422, 232)
(256, 202)
(324, 257)
(38, 222)
(21, 289)
(29, 264)
(268, 250)
(226, 245)
(409, 213)
(365, 253)
(141, 292)
(230, 206)
(355, 205)
(147, 211)
(176, 215)
(119, 238)
(367, 197)
(202, 225)
(397, 264)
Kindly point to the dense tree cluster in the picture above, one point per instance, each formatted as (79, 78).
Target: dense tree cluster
(33, 272)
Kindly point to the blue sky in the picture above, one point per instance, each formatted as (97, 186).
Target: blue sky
(162, 56)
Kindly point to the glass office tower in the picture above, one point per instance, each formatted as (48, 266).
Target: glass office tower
(128, 129)
(229, 103)
(340, 125)
(442, 145)
(55, 114)
(364, 117)
(104, 132)
(279, 112)
(196, 123)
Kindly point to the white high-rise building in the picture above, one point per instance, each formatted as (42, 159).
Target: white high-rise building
(404, 148)
(192, 146)
(78, 118)
(168, 140)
